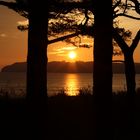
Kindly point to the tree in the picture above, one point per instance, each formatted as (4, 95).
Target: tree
(37, 49)
(129, 73)
(36, 63)
(128, 60)
(36, 67)
(37, 45)
(128, 51)
(103, 50)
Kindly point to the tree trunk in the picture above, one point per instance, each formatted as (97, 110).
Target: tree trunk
(130, 73)
(37, 58)
(103, 69)
(37, 70)
(131, 88)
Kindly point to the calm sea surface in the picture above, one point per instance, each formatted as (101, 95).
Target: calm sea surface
(15, 83)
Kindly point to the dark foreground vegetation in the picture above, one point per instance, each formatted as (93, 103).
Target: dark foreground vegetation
(67, 118)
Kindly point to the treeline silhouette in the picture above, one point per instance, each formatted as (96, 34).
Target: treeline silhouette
(67, 67)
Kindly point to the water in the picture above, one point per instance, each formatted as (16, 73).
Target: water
(71, 83)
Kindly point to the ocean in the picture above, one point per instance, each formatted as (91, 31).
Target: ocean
(15, 82)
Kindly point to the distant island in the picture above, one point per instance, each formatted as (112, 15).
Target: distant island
(67, 67)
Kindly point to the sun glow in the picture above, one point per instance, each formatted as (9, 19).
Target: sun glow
(72, 55)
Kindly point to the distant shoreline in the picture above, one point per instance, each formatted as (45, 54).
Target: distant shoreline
(67, 67)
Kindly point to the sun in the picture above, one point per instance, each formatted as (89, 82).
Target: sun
(72, 55)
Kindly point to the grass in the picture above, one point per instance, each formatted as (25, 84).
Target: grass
(6, 93)
(68, 117)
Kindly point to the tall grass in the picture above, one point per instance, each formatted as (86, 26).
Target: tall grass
(11, 93)
(84, 91)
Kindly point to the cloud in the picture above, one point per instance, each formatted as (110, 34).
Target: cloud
(70, 48)
(62, 51)
(23, 22)
(61, 54)
(57, 52)
(3, 35)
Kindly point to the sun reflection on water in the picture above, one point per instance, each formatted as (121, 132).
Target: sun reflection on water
(72, 85)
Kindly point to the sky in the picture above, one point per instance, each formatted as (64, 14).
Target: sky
(13, 43)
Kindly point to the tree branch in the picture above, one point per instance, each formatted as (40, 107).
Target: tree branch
(125, 15)
(119, 40)
(63, 38)
(86, 16)
(72, 5)
(125, 7)
(19, 8)
(11, 5)
(117, 4)
(137, 5)
(135, 41)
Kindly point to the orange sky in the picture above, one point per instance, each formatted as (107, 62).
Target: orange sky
(13, 43)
